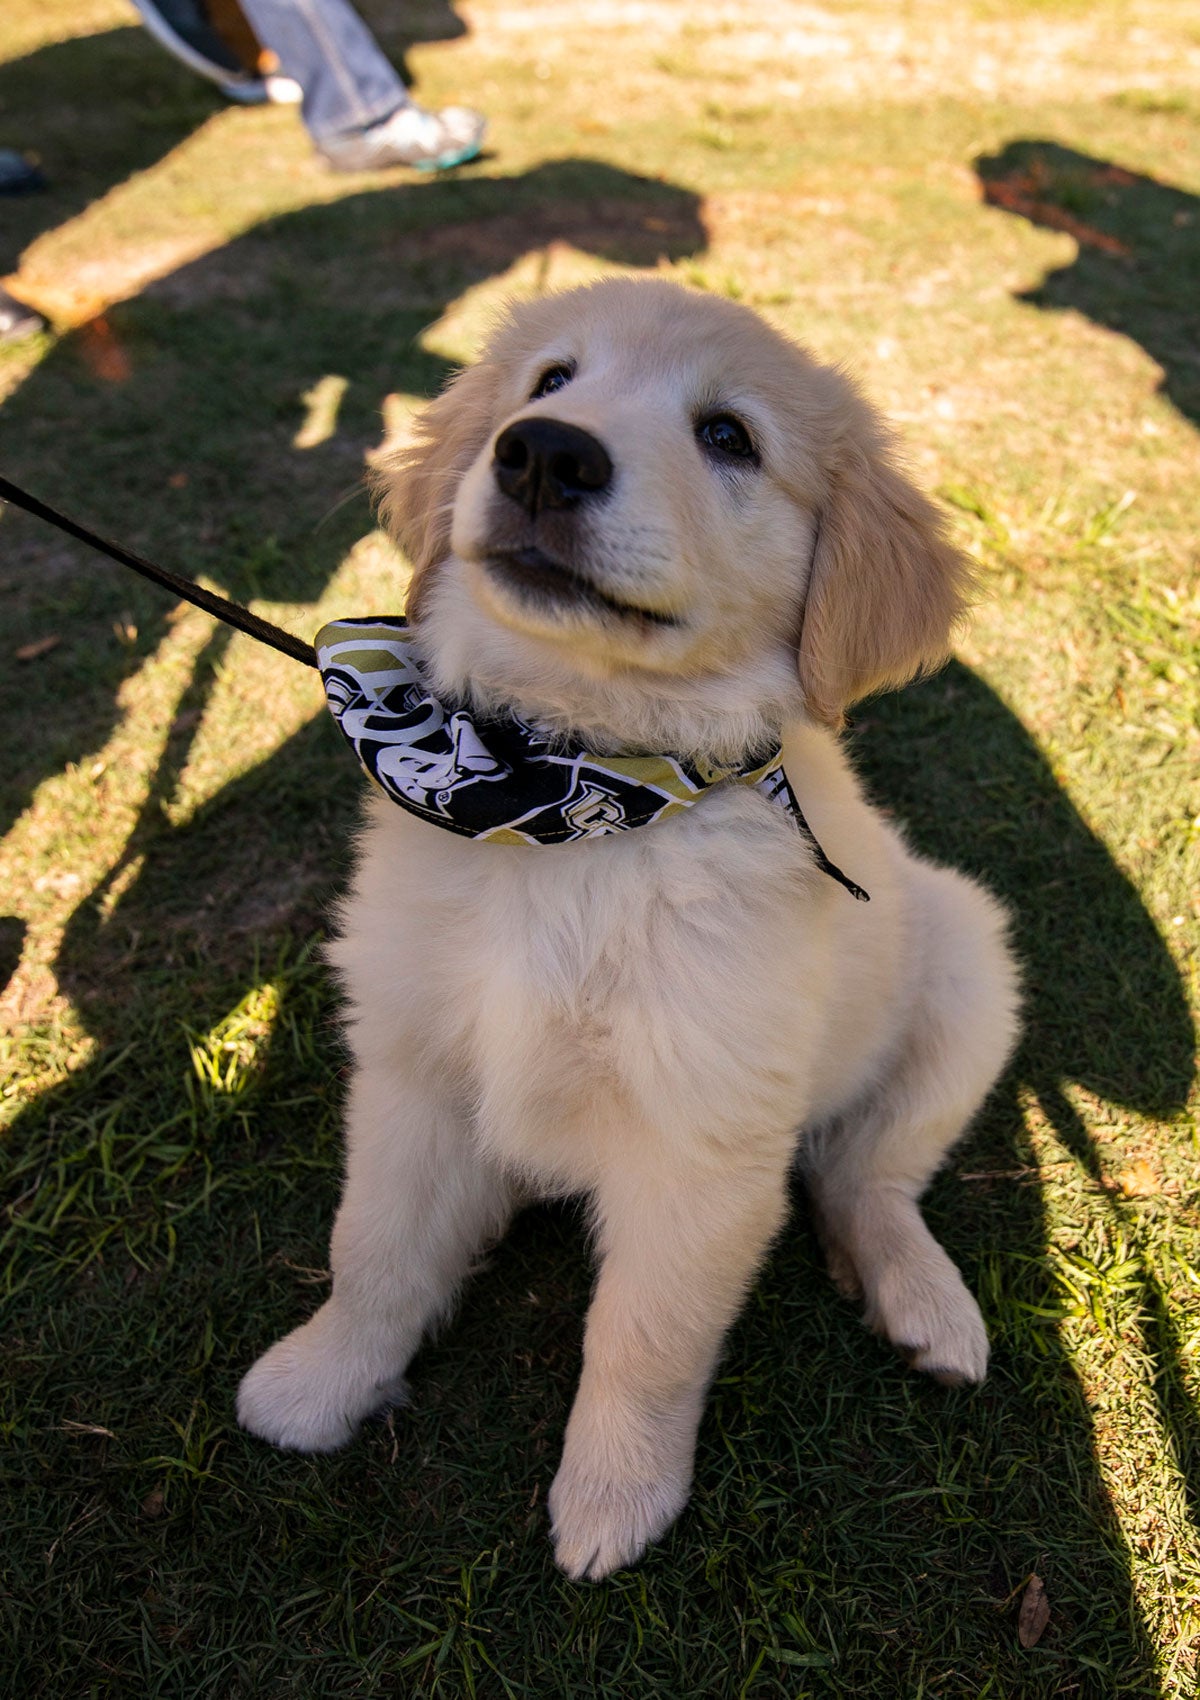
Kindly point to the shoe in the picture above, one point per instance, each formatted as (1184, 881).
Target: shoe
(18, 321)
(430, 141)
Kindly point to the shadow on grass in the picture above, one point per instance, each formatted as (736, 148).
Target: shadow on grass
(889, 1517)
(1105, 1007)
(847, 1517)
(1136, 271)
(97, 109)
(401, 28)
(1138, 266)
(187, 453)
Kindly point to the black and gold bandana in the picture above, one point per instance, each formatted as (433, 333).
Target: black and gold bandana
(501, 780)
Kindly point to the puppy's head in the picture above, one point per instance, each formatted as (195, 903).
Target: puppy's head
(642, 495)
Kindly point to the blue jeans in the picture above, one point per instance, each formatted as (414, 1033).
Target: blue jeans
(348, 82)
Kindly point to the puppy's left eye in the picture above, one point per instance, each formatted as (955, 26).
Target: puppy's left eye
(727, 435)
(553, 378)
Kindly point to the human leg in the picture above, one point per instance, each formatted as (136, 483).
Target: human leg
(355, 107)
(348, 81)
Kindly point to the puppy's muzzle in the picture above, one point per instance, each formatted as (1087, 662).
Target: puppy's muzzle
(547, 464)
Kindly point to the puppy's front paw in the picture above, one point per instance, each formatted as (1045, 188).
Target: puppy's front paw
(601, 1526)
(924, 1308)
(310, 1392)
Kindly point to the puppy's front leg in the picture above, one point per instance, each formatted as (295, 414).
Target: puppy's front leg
(417, 1207)
(678, 1252)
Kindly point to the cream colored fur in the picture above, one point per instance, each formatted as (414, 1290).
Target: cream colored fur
(665, 1020)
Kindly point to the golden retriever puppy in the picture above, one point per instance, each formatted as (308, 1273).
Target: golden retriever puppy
(646, 523)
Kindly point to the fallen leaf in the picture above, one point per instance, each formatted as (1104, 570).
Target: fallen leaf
(1139, 1180)
(102, 351)
(1035, 1613)
(153, 1504)
(39, 646)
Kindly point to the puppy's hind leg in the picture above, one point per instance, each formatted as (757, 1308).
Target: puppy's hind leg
(867, 1167)
(418, 1206)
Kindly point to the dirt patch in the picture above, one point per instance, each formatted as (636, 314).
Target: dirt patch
(877, 54)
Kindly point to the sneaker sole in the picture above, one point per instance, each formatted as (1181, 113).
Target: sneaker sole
(447, 161)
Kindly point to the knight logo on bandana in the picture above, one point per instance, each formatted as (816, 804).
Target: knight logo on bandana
(595, 811)
(431, 777)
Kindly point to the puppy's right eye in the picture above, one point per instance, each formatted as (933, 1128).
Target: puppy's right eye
(553, 378)
(728, 436)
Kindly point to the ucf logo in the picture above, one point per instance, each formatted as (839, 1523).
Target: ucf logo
(595, 811)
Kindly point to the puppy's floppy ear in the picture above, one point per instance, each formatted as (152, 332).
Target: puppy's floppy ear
(416, 484)
(886, 587)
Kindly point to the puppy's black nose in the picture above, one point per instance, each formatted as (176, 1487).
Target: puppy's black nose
(545, 463)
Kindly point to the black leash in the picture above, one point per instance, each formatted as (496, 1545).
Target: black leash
(275, 637)
(232, 613)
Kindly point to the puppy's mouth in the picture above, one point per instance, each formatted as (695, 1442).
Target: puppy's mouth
(540, 581)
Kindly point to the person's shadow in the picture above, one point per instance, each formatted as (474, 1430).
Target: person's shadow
(179, 391)
(1137, 269)
(184, 439)
(94, 111)
(1104, 1011)
(188, 444)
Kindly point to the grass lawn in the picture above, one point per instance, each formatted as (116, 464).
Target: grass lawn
(991, 210)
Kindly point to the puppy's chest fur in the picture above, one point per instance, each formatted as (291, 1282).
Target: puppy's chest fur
(646, 986)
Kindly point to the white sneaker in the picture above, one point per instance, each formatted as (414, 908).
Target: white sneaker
(430, 141)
